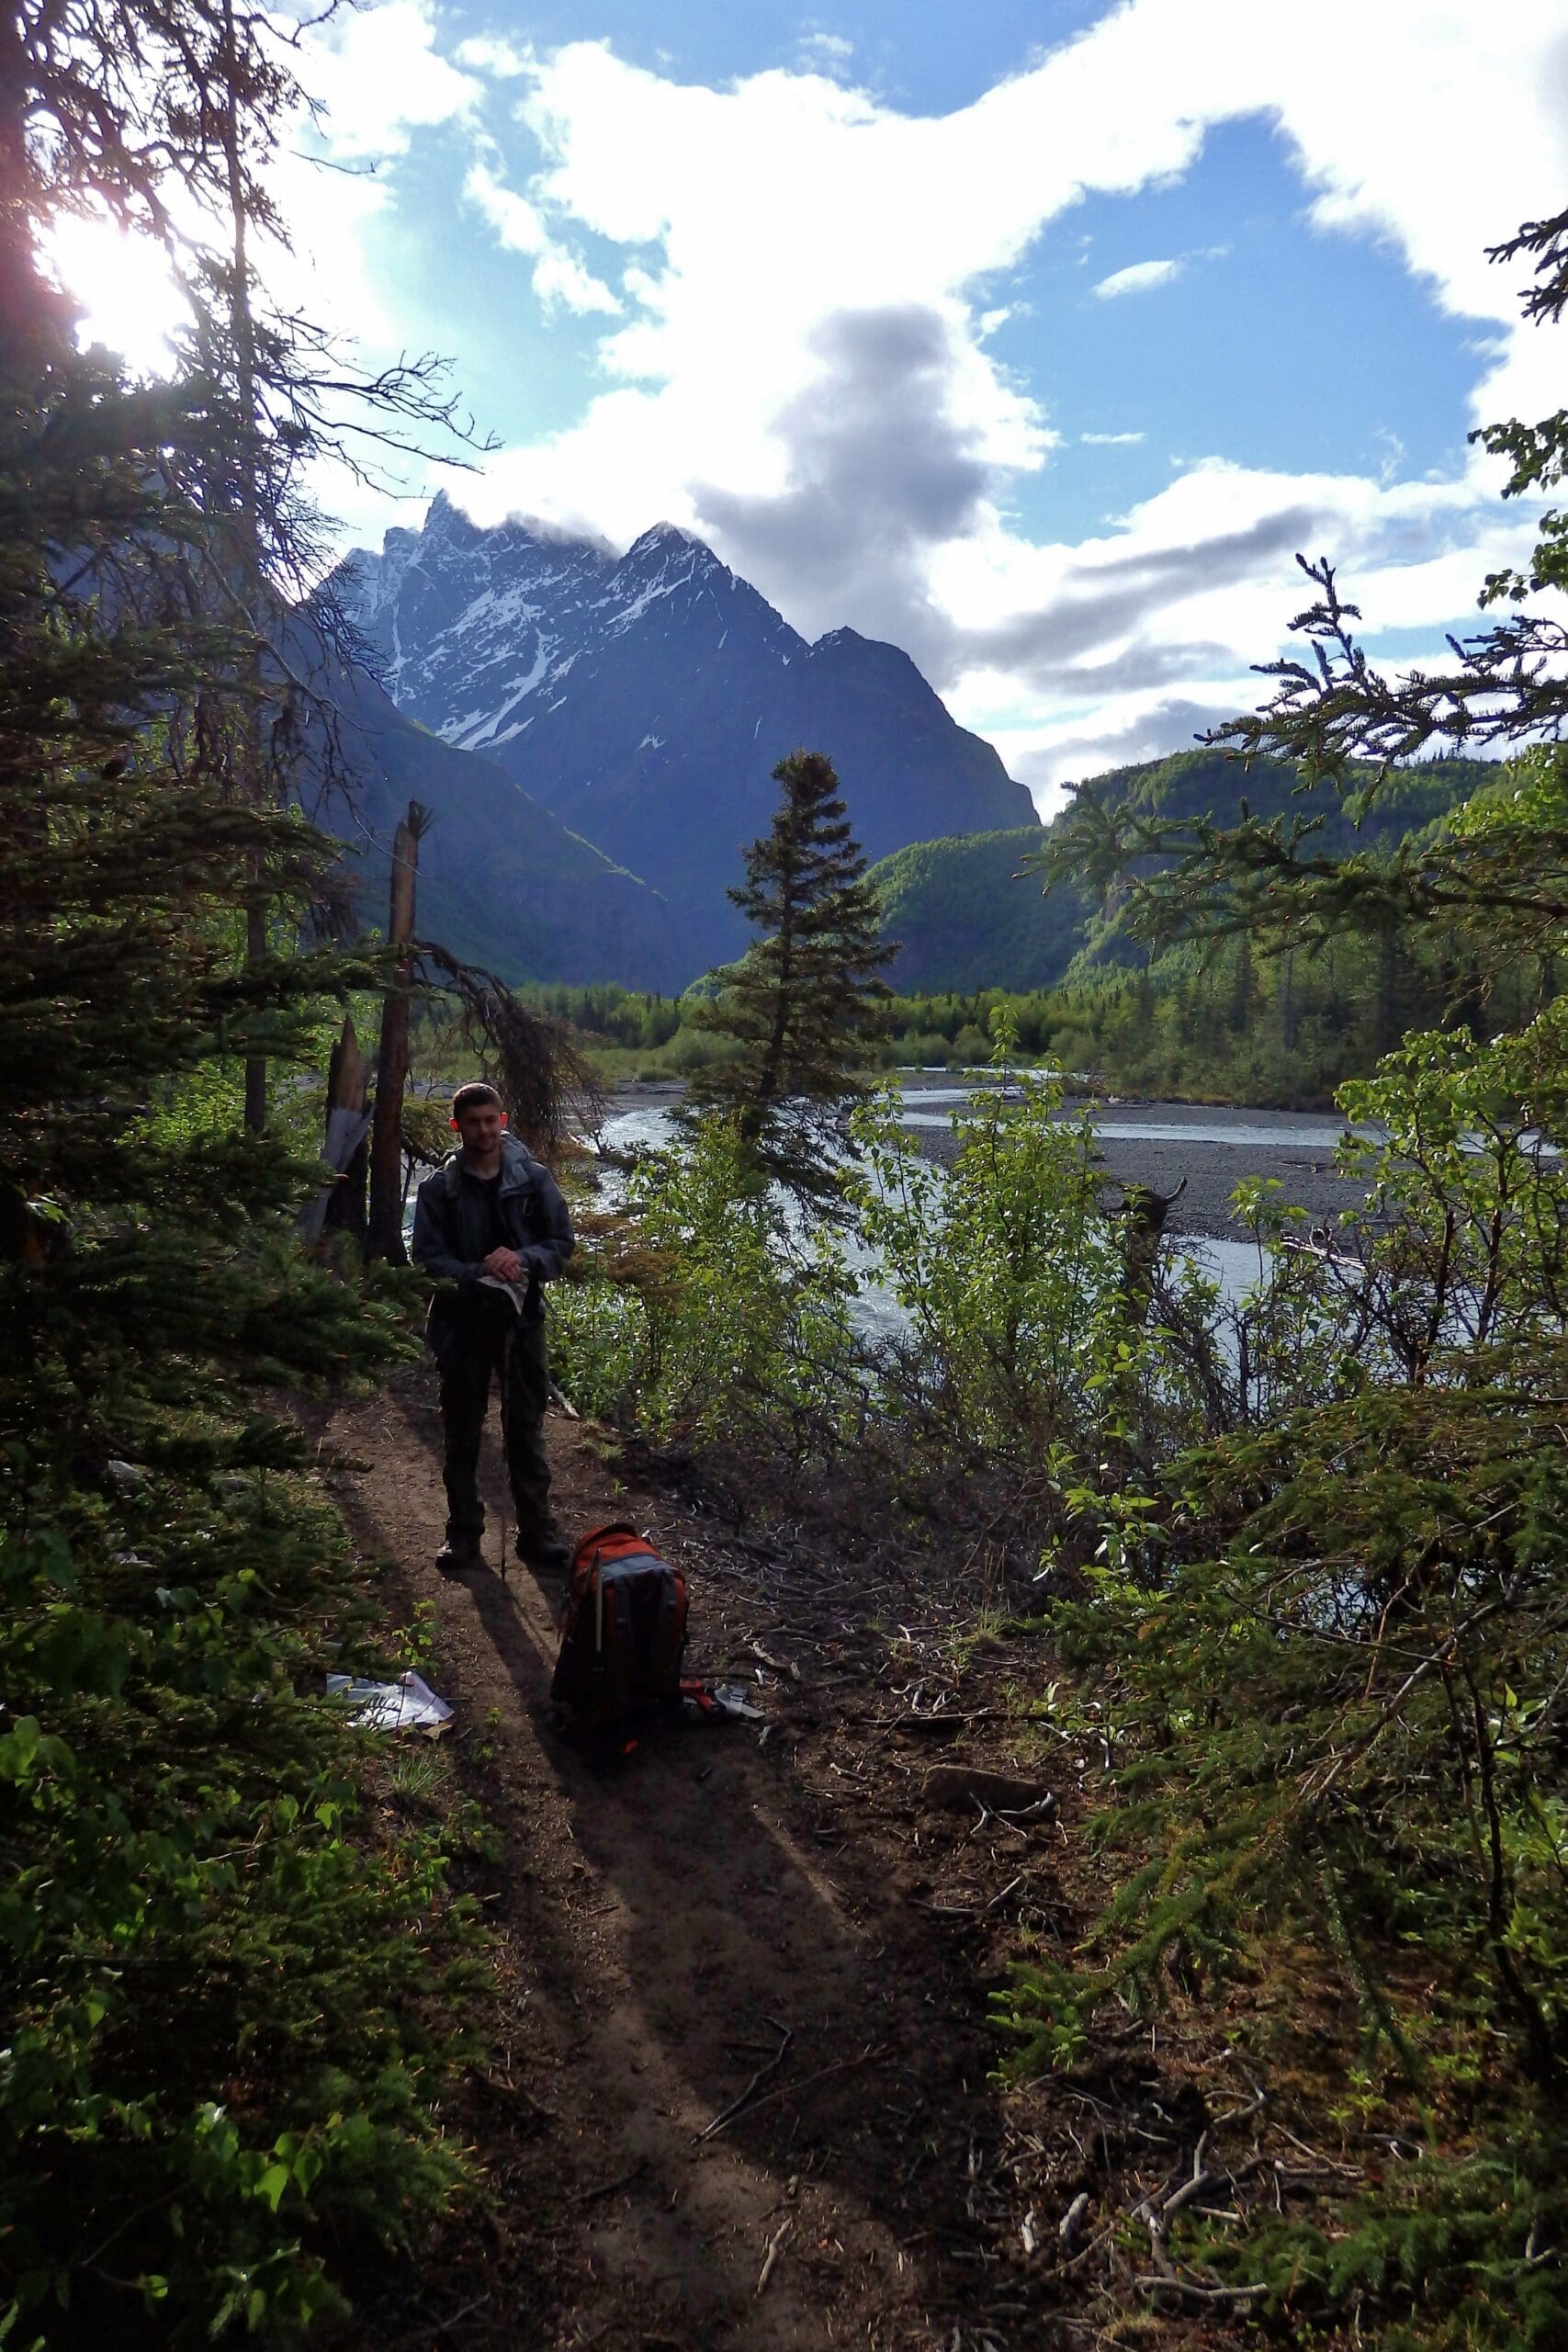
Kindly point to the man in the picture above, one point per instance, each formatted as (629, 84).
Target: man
(492, 1225)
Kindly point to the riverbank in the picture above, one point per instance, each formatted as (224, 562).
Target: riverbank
(1161, 1145)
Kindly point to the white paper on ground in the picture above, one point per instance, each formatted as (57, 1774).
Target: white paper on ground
(735, 1699)
(408, 1704)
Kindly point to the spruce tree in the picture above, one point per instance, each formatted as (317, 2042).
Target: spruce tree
(214, 1996)
(807, 1000)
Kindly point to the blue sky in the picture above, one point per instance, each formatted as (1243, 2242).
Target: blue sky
(1036, 339)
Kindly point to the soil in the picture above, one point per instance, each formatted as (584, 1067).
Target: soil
(741, 2089)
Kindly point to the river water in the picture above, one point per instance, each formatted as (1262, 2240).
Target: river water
(1158, 1144)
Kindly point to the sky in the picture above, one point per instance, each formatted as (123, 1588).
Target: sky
(1037, 340)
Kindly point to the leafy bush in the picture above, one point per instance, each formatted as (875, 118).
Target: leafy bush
(1340, 1706)
(708, 1314)
(1010, 1274)
(229, 2021)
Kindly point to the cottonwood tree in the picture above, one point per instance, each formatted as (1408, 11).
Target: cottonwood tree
(807, 1000)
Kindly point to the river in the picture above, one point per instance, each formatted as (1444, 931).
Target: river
(1157, 1144)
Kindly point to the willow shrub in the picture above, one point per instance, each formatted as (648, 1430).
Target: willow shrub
(1007, 1273)
(708, 1315)
(1340, 1708)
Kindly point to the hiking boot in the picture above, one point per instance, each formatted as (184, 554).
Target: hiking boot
(457, 1554)
(547, 1555)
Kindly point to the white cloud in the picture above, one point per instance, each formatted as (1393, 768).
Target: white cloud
(1111, 440)
(1140, 277)
(558, 275)
(381, 83)
(1137, 278)
(380, 76)
(1073, 657)
(492, 54)
(801, 367)
(823, 53)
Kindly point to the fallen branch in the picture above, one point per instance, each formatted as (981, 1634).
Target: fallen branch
(1204, 2297)
(726, 2114)
(608, 2187)
(792, 2090)
(444, 2326)
(774, 2243)
(936, 1721)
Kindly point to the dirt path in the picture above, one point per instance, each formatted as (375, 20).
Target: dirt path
(668, 1915)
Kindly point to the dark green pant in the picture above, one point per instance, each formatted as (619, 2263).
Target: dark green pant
(513, 1353)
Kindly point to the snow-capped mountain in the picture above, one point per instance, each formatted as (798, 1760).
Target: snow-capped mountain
(646, 698)
(502, 881)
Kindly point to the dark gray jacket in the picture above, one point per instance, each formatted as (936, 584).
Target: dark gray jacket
(451, 1229)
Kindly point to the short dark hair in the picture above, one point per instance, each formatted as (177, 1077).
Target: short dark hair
(468, 1098)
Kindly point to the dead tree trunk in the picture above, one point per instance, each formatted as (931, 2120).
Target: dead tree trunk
(385, 1238)
(348, 1100)
(338, 1207)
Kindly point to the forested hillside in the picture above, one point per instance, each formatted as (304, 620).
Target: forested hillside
(503, 883)
(1218, 1019)
(966, 913)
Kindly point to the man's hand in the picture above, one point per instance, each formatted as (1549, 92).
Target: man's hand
(505, 1264)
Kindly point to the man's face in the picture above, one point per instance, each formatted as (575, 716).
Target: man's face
(480, 1127)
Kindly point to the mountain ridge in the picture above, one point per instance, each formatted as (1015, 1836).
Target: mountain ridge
(645, 699)
(502, 881)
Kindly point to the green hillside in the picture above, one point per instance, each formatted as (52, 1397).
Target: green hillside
(965, 918)
(503, 882)
(1189, 784)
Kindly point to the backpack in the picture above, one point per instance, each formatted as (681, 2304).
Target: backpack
(623, 1630)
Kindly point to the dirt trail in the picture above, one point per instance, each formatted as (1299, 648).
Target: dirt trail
(668, 1916)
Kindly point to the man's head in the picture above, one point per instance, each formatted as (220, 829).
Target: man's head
(478, 1118)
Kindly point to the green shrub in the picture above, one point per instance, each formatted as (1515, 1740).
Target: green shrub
(1338, 1707)
(712, 1319)
(1007, 1269)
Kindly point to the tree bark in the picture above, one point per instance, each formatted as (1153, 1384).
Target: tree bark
(241, 324)
(385, 1238)
(348, 1093)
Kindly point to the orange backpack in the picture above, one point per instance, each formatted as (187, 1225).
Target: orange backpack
(623, 1630)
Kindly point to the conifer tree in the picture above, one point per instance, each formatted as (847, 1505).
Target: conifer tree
(1339, 1677)
(807, 1000)
(210, 1988)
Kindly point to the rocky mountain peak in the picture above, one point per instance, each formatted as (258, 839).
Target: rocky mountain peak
(646, 698)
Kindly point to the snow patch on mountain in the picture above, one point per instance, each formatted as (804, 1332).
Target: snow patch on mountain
(617, 690)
